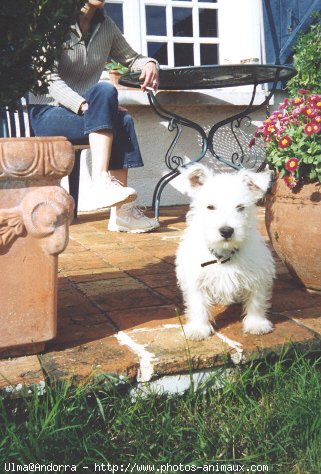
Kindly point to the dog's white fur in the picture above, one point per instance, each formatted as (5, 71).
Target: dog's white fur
(224, 201)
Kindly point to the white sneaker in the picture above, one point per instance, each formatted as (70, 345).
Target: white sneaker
(130, 218)
(110, 192)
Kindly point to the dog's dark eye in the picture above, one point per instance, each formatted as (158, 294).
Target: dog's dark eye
(210, 207)
(240, 208)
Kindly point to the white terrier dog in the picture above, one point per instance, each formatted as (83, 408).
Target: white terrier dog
(222, 257)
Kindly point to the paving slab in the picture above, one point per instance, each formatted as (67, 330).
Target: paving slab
(308, 317)
(285, 334)
(21, 376)
(166, 351)
(145, 318)
(120, 313)
(86, 362)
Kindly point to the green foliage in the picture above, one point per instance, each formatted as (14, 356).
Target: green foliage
(32, 35)
(265, 413)
(307, 61)
(114, 66)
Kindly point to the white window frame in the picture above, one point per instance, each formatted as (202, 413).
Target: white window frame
(241, 37)
(239, 28)
(170, 39)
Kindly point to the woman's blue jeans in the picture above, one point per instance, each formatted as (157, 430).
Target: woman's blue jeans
(102, 114)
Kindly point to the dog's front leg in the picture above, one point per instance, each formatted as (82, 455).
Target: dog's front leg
(197, 311)
(255, 308)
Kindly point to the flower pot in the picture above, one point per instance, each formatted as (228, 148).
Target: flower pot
(114, 77)
(293, 221)
(34, 220)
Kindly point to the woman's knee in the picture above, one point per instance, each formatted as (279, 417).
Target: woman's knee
(102, 91)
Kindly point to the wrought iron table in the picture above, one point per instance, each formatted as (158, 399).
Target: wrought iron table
(207, 77)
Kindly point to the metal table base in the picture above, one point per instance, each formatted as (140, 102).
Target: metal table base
(208, 77)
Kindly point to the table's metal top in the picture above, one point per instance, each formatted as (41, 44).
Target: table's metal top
(211, 77)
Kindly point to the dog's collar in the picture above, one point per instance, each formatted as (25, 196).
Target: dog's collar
(219, 258)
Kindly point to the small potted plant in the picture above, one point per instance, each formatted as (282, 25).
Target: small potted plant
(292, 136)
(115, 71)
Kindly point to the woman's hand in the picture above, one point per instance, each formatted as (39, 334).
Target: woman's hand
(150, 76)
(83, 107)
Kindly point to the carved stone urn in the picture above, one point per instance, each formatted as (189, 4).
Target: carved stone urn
(35, 213)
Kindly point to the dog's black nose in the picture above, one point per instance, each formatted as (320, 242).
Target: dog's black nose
(226, 231)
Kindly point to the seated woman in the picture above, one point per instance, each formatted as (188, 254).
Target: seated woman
(77, 104)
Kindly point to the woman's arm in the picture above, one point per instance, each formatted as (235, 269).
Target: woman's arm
(63, 94)
(122, 52)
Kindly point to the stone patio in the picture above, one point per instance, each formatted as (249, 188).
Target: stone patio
(119, 313)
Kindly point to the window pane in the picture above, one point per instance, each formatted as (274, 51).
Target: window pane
(209, 54)
(208, 1)
(182, 22)
(158, 51)
(183, 53)
(115, 11)
(156, 20)
(208, 23)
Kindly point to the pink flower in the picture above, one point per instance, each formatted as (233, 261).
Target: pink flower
(292, 164)
(284, 104)
(297, 101)
(277, 115)
(308, 111)
(316, 126)
(290, 181)
(304, 91)
(285, 121)
(308, 129)
(284, 142)
(314, 99)
(296, 112)
(270, 120)
(311, 128)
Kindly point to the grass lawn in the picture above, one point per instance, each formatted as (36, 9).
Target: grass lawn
(268, 413)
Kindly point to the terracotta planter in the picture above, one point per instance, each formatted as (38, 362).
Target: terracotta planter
(293, 221)
(114, 77)
(34, 219)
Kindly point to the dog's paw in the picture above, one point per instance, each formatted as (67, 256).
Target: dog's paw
(256, 325)
(198, 331)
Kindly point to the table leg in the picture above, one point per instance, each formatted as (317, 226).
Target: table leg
(238, 158)
(176, 122)
(173, 162)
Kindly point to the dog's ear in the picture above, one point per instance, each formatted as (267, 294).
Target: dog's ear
(195, 176)
(258, 183)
